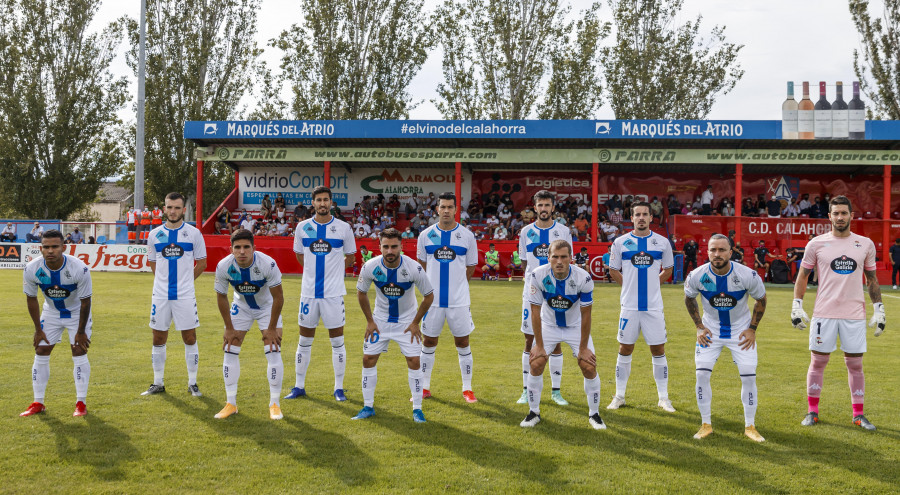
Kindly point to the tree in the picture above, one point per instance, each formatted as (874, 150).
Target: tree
(497, 52)
(58, 104)
(657, 70)
(878, 70)
(574, 90)
(354, 59)
(202, 60)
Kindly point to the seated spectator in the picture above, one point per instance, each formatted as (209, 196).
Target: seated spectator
(492, 222)
(222, 227)
(301, 212)
(582, 258)
(8, 234)
(727, 209)
(580, 225)
(686, 209)
(737, 253)
(615, 217)
(36, 233)
(282, 228)
(501, 233)
(91, 240)
(363, 229)
(265, 209)
(408, 234)
(393, 206)
(656, 209)
(503, 214)
(761, 260)
(279, 201)
(69, 238)
(419, 223)
(272, 229)
(412, 205)
(674, 206)
(815, 209)
(792, 210)
(376, 234)
(804, 205)
(262, 230)
(280, 212)
(609, 231)
(527, 215)
(225, 215)
(77, 237)
(516, 225)
(247, 221)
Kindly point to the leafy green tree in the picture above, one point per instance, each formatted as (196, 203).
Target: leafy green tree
(202, 60)
(58, 104)
(497, 52)
(659, 70)
(353, 59)
(877, 66)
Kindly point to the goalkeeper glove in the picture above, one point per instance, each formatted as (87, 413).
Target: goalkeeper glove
(878, 318)
(799, 317)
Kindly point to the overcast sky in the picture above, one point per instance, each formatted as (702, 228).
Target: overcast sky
(798, 40)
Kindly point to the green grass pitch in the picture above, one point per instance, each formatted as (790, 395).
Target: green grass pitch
(172, 443)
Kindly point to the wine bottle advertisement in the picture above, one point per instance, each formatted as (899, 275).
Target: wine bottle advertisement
(830, 117)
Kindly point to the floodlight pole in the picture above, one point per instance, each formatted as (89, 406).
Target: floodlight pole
(139, 144)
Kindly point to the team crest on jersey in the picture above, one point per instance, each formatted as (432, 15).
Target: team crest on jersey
(333, 229)
(458, 236)
(256, 270)
(653, 241)
(555, 233)
(856, 244)
(843, 265)
(67, 274)
(571, 284)
(404, 273)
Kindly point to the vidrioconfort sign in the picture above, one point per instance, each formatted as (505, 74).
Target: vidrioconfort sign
(347, 187)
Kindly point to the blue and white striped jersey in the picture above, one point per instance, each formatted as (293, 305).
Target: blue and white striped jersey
(251, 284)
(725, 306)
(395, 301)
(323, 247)
(534, 244)
(641, 259)
(561, 300)
(448, 254)
(63, 289)
(174, 252)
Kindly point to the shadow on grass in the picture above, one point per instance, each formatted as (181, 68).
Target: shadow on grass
(94, 443)
(320, 448)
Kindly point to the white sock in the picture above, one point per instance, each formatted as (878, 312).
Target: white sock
(369, 380)
(661, 375)
(192, 358)
(526, 367)
(556, 363)
(231, 371)
(465, 366)
(592, 391)
(338, 361)
(40, 375)
(274, 373)
(414, 376)
(623, 371)
(535, 386)
(426, 358)
(748, 395)
(304, 352)
(81, 371)
(704, 395)
(158, 356)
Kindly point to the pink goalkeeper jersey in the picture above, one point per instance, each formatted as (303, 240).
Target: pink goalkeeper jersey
(840, 261)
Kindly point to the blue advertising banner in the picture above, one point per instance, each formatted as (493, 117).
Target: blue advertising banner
(485, 129)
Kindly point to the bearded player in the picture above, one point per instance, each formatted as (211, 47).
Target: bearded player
(840, 310)
(726, 322)
(534, 250)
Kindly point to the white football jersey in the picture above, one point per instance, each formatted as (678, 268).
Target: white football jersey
(395, 301)
(251, 284)
(534, 244)
(641, 259)
(63, 289)
(448, 254)
(725, 306)
(323, 247)
(175, 252)
(561, 300)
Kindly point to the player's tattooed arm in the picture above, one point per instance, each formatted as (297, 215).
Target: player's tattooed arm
(800, 284)
(872, 286)
(693, 310)
(759, 310)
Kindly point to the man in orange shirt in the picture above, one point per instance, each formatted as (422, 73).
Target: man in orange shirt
(145, 224)
(581, 225)
(130, 222)
(156, 217)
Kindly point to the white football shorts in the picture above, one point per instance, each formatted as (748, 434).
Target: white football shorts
(53, 326)
(388, 332)
(458, 319)
(182, 312)
(707, 356)
(650, 324)
(554, 335)
(823, 334)
(242, 318)
(330, 310)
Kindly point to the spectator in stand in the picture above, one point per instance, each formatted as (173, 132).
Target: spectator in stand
(282, 228)
(503, 214)
(501, 233)
(686, 209)
(430, 201)
(691, 248)
(433, 219)
(77, 237)
(609, 231)
(265, 209)
(412, 205)
(694, 211)
(91, 240)
(773, 208)
(247, 221)
(615, 217)
(580, 225)
(376, 234)
(792, 210)
(527, 215)
(573, 234)
(673, 205)
(727, 209)
(69, 238)
(737, 253)
(626, 206)
(582, 258)
(336, 210)
(463, 215)
(823, 205)
(271, 229)
(261, 229)
(301, 212)
(36, 233)
(506, 199)
(225, 216)
(815, 209)
(762, 256)
(515, 226)
(491, 264)
(418, 223)
(8, 234)
(279, 201)
(392, 208)
(613, 202)
(761, 203)
(363, 229)
(408, 233)
(749, 208)
(492, 222)
(280, 211)
(581, 208)
(706, 200)
(656, 209)
(804, 205)
(560, 218)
